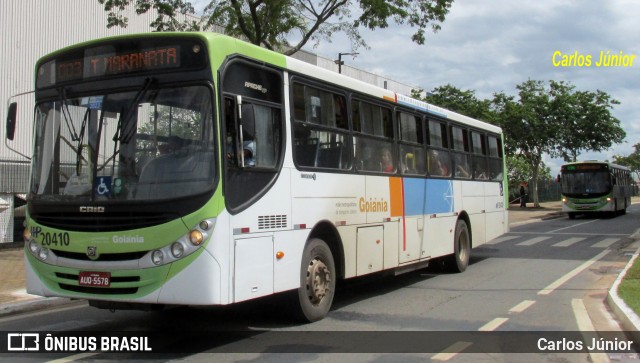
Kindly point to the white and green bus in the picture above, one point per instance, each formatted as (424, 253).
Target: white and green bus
(595, 186)
(197, 169)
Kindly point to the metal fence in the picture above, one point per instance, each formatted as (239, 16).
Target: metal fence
(548, 191)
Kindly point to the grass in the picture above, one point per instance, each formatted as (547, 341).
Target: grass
(629, 289)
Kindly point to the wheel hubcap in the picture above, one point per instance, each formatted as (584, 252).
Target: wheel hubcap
(318, 281)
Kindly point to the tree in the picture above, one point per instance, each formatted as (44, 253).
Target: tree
(462, 101)
(555, 120)
(528, 126)
(519, 171)
(273, 23)
(585, 120)
(631, 161)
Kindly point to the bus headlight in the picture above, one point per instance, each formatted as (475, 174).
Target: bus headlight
(33, 246)
(177, 249)
(181, 247)
(43, 253)
(157, 257)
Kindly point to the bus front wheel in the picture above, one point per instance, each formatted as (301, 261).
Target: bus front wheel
(317, 282)
(459, 260)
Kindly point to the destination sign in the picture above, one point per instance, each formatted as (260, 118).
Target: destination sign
(121, 58)
(584, 167)
(115, 64)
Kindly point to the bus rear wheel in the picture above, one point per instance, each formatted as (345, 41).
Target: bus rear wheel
(459, 260)
(317, 282)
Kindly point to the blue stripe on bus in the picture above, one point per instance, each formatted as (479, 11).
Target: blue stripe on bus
(427, 196)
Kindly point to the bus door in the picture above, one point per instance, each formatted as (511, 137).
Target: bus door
(411, 245)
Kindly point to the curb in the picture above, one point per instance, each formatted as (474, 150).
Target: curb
(35, 304)
(553, 215)
(628, 319)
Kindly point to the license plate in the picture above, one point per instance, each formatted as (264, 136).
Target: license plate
(94, 279)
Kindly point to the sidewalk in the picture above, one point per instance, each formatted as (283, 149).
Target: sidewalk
(547, 210)
(15, 300)
(13, 297)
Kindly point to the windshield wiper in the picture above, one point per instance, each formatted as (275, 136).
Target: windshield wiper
(67, 114)
(122, 135)
(79, 140)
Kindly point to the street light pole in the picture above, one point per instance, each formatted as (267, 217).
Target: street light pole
(339, 62)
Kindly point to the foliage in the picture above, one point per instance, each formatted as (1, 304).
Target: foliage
(552, 119)
(632, 161)
(167, 19)
(462, 101)
(271, 23)
(555, 120)
(629, 289)
(585, 119)
(519, 170)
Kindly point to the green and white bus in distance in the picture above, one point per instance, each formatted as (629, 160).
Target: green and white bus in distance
(197, 169)
(595, 186)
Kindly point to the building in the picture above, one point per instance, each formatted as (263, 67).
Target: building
(33, 28)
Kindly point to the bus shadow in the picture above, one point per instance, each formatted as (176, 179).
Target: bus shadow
(248, 326)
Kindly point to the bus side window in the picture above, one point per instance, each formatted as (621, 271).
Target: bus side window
(320, 125)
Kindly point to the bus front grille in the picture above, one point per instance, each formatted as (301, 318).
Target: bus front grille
(82, 222)
(126, 256)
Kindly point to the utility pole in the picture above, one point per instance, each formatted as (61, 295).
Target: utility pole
(339, 62)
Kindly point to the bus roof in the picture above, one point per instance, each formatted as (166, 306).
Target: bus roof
(232, 45)
(337, 79)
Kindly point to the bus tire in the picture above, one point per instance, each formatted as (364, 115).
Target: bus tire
(317, 282)
(459, 260)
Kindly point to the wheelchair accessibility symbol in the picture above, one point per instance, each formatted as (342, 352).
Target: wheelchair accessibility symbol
(103, 183)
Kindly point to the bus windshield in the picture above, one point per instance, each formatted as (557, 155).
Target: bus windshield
(591, 183)
(145, 144)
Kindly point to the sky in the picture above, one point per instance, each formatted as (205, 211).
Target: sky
(491, 46)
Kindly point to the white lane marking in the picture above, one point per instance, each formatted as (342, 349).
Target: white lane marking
(569, 242)
(493, 324)
(451, 351)
(572, 226)
(495, 241)
(554, 285)
(605, 243)
(73, 358)
(585, 324)
(533, 241)
(522, 306)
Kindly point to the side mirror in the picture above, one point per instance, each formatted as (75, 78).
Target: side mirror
(11, 120)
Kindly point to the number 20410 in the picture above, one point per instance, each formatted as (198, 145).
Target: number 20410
(56, 239)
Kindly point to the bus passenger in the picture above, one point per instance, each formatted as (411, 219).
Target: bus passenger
(436, 165)
(386, 161)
